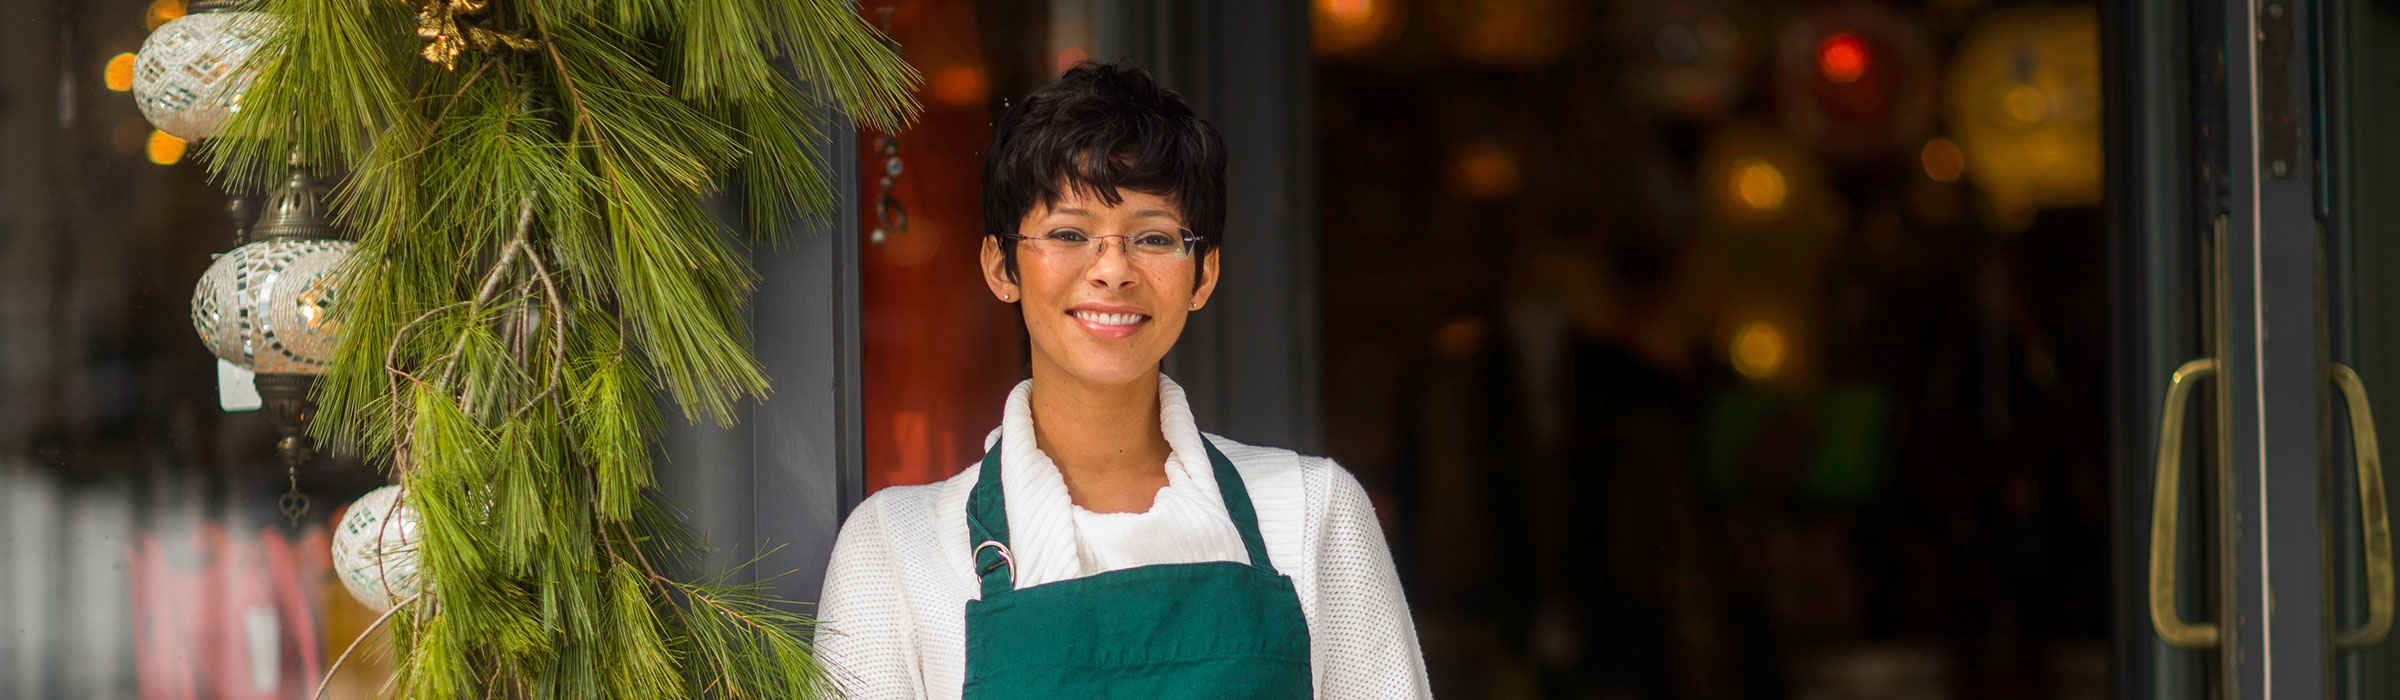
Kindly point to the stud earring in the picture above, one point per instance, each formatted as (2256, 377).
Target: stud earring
(1004, 296)
(1195, 306)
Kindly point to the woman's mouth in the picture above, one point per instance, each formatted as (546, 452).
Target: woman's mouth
(1108, 324)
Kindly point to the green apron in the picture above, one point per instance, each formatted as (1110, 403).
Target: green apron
(1170, 631)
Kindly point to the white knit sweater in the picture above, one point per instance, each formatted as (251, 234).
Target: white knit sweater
(893, 612)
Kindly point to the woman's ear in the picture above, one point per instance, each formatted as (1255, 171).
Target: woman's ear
(995, 271)
(1208, 280)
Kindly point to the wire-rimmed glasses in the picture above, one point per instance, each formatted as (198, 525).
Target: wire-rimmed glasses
(1155, 245)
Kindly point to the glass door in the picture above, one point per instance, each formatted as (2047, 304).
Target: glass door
(2251, 254)
(2359, 52)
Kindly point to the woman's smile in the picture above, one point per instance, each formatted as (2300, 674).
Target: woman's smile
(1109, 321)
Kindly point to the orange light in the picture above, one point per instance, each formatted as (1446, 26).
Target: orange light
(162, 12)
(1758, 184)
(1483, 170)
(1460, 338)
(1942, 160)
(1842, 57)
(1069, 56)
(958, 85)
(164, 148)
(1350, 26)
(119, 73)
(1759, 350)
(1347, 11)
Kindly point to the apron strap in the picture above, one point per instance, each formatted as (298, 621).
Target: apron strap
(987, 520)
(987, 528)
(1237, 504)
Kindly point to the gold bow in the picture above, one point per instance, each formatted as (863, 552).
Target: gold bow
(449, 25)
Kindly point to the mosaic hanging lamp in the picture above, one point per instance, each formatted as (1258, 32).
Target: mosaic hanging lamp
(267, 306)
(191, 73)
(375, 548)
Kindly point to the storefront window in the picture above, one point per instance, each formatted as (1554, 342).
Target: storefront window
(142, 553)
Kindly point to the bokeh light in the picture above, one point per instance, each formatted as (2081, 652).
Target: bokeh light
(1459, 339)
(119, 73)
(1483, 170)
(958, 85)
(2025, 104)
(1842, 57)
(1942, 160)
(1351, 26)
(162, 12)
(1759, 350)
(164, 148)
(1758, 184)
(1068, 57)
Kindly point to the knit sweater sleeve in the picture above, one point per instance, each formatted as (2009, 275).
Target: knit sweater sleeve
(1367, 645)
(864, 634)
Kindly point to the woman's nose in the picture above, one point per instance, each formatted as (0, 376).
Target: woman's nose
(1112, 265)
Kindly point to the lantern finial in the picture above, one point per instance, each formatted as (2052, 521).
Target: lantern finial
(295, 209)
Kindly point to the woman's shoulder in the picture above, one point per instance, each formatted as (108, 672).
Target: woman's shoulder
(904, 517)
(1320, 479)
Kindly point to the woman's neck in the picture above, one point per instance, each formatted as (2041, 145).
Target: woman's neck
(1105, 439)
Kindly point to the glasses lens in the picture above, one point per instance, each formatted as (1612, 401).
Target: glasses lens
(1157, 245)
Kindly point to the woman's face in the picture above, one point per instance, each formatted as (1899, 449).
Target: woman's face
(1105, 317)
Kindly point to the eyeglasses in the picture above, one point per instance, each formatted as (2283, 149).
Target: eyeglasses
(1158, 245)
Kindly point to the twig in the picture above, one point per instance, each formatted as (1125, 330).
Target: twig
(583, 117)
(491, 286)
(362, 636)
(462, 88)
(402, 431)
(558, 331)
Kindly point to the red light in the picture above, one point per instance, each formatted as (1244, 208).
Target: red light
(1842, 57)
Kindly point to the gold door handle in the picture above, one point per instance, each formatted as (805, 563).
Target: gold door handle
(2164, 502)
(2373, 515)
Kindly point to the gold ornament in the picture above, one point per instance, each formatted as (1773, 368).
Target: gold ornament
(448, 24)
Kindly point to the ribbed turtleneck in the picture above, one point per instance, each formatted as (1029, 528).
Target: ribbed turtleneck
(1054, 539)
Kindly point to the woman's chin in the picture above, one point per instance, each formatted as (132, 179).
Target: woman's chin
(1109, 368)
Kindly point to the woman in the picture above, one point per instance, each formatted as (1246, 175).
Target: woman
(1104, 547)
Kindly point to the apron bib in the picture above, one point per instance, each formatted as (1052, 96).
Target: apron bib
(1169, 632)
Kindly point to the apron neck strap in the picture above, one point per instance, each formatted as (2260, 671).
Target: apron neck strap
(987, 520)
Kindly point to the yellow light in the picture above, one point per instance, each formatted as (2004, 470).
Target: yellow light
(1759, 350)
(162, 12)
(2026, 104)
(1758, 184)
(165, 149)
(119, 73)
(1942, 160)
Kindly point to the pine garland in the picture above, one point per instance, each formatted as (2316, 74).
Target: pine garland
(535, 259)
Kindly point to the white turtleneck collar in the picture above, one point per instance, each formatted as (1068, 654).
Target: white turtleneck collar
(1053, 539)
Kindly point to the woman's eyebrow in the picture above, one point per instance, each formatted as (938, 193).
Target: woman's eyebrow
(1143, 214)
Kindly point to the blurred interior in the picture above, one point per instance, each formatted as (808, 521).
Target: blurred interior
(1725, 349)
(1690, 349)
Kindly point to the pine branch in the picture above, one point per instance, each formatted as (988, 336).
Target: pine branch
(535, 262)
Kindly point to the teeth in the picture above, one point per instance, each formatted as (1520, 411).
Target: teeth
(1106, 319)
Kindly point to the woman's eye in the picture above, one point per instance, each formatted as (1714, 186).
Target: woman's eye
(1156, 239)
(1068, 235)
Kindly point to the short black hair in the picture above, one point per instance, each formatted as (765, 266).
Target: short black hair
(1097, 129)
